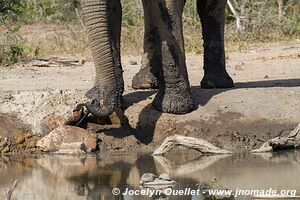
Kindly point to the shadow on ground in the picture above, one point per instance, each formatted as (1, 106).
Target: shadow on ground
(148, 117)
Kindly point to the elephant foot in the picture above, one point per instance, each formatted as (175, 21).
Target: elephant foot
(102, 103)
(217, 80)
(102, 109)
(172, 102)
(144, 79)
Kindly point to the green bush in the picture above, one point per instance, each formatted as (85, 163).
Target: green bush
(12, 47)
(132, 11)
(261, 21)
(54, 10)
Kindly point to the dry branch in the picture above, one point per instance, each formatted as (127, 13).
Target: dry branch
(56, 62)
(290, 142)
(188, 142)
(11, 190)
(236, 15)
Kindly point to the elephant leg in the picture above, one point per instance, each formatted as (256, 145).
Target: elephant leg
(212, 15)
(174, 94)
(103, 23)
(145, 79)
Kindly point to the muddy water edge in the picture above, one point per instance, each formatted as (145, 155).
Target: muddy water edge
(90, 177)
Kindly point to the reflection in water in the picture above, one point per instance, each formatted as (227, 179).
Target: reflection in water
(53, 177)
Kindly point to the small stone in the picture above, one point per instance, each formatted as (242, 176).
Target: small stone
(31, 144)
(114, 118)
(165, 177)
(266, 76)
(236, 134)
(239, 67)
(6, 150)
(20, 139)
(28, 136)
(148, 177)
(3, 143)
(189, 129)
(8, 97)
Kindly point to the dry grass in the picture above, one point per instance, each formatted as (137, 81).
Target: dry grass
(57, 34)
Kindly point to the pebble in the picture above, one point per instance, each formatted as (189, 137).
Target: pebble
(31, 144)
(3, 143)
(28, 136)
(165, 177)
(20, 139)
(236, 134)
(8, 97)
(6, 150)
(148, 177)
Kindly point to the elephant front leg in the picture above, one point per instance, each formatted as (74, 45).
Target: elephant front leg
(145, 78)
(174, 94)
(103, 23)
(212, 14)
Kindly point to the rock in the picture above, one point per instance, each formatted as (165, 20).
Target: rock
(72, 148)
(3, 143)
(162, 182)
(6, 150)
(114, 118)
(51, 122)
(189, 129)
(67, 134)
(10, 126)
(28, 136)
(148, 177)
(31, 144)
(8, 97)
(165, 177)
(20, 139)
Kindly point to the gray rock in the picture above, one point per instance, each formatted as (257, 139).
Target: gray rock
(165, 177)
(148, 177)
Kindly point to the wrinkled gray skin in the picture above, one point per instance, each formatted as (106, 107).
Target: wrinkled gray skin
(212, 13)
(103, 23)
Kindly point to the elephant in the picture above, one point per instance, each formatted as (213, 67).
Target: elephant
(212, 14)
(165, 53)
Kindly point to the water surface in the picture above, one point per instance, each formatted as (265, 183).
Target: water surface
(62, 177)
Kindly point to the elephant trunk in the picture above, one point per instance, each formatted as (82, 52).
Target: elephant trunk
(105, 93)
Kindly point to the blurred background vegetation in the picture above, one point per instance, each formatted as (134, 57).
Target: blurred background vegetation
(32, 28)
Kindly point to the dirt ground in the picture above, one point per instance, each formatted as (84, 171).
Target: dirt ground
(265, 102)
